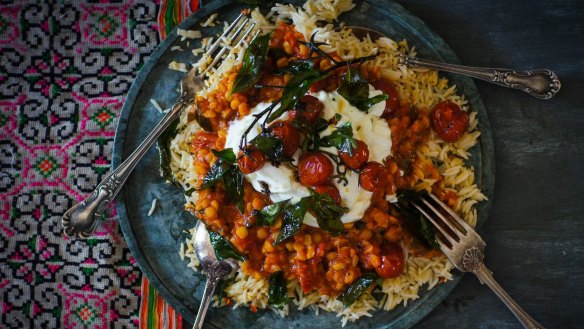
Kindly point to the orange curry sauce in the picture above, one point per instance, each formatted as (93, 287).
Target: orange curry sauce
(317, 259)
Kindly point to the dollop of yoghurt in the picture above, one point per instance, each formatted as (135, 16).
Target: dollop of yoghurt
(280, 180)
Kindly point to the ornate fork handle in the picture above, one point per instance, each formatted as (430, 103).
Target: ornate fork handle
(543, 84)
(82, 219)
(473, 262)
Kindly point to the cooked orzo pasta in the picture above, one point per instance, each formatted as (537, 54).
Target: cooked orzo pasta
(310, 139)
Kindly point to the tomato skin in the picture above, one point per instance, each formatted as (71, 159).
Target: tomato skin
(449, 121)
(392, 102)
(314, 169)
(288, 134)
(392, 261)
(359, 158)
(250, 161)
(332, 191)
(309, 108)
(373, 177)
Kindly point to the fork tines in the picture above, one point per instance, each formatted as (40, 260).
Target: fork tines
(228, 38)
(451, 228)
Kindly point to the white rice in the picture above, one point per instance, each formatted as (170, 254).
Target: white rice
(152, 207)
(423, 88)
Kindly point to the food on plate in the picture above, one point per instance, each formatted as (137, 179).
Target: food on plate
(299, 156)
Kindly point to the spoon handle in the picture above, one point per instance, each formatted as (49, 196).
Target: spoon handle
(543, 84)
(210, 286)
(82, 219)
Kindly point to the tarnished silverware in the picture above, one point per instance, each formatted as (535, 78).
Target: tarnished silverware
(465, 249)
(542, 83)
(214, 268)
(82, 219)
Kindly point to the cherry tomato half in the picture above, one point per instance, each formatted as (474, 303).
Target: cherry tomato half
(250, 160)
(309, 108)
(373, 177)
(449, 121)
(332, 191)
(392, 261)
(391, 103)
(359, 157)
(314, 169)
(288, 134)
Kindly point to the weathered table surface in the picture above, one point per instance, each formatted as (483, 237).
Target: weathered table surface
(535, 235)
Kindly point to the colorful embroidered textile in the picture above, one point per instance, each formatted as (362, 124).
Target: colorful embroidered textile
(172, 12)
(65, 68)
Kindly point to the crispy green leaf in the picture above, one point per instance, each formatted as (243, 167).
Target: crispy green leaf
(214, 175)
(420, 227)
(233, 181)
(311, 130)
(357, 289)
(267, 216)
(271, 146)
(253, 63)
(278, 292)
(293, 217)
(203, 121)
(342, 139)
(223, 249)
(327, 212)
(227, 155)
(163, 143)
(296, 88)
(366, 104)
(355, 89)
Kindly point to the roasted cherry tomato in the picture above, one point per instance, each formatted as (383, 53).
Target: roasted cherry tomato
(391, 103)
(309, 108)
(250, 160)
(314, 169)
(359, 157)
(449, 121)
(392, 261)
(332, 191)
(288, 134)
(373, 176)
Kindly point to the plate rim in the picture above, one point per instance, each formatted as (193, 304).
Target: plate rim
(406, 18)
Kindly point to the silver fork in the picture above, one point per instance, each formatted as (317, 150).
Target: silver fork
(464, 247)
(82, 219)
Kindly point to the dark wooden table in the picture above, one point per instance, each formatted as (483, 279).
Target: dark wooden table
(535, 235)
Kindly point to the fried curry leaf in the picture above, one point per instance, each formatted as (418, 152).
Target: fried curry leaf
(203, 122)
(164, 152)
(278, 292)
(355, 89)
(253, 63)
(421, 228)
(233, 181)
(327, 212)
(293, 218)
(226, 170)
(223, 249)
(271, 146)
(357, 289)
(296, 88)
(267, 216)
(312, 132)
(225, 155)
(342, 139)
(214, 175)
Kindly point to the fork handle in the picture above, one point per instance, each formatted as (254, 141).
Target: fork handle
(543, 84)
(81, 220)
(483, 273)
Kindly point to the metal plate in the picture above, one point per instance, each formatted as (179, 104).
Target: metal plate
(155, 240)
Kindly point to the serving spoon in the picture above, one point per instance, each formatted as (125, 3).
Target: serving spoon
(214, 268)
(542, 83)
